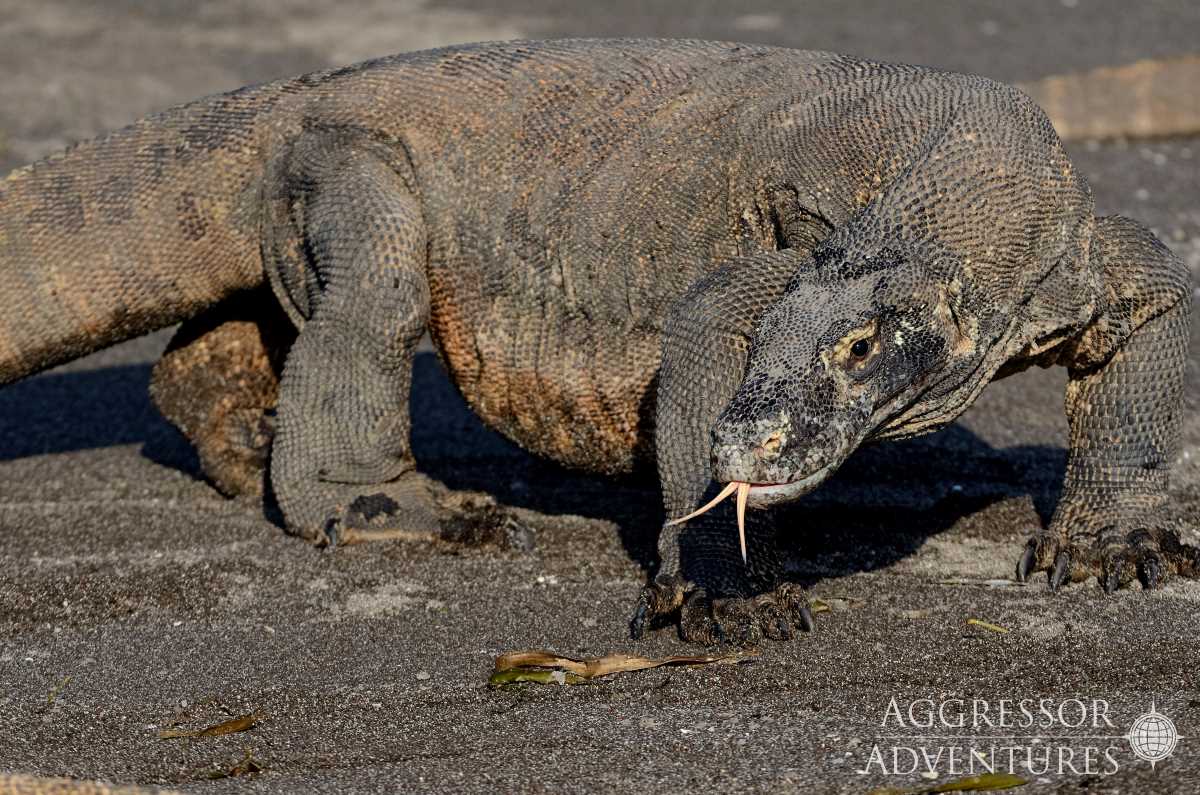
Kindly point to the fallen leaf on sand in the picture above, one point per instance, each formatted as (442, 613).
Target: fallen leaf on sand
(549, 668)
(977, 622)
(58, 688)
(227, 727)
(970, 783)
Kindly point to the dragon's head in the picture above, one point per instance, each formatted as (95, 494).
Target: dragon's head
(859, 346)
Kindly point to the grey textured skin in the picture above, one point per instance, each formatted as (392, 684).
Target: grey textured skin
(740, 261)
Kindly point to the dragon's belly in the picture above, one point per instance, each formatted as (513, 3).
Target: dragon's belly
(577, 391)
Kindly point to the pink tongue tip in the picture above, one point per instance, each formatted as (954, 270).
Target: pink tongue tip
(742, 492)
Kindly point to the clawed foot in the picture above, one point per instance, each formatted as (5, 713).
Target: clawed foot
(1116, 558)
(739, 621)
(415, 508)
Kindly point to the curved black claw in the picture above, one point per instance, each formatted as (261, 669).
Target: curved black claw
(1061, 571)
(657, 601)
(637, 624)
(1025, 564)
(807, 624)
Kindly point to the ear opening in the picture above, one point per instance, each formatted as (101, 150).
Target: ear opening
(950, 311)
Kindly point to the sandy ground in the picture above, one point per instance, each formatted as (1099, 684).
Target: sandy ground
(133, 597)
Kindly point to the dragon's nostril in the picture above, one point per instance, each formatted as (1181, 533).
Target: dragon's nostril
(772, 444)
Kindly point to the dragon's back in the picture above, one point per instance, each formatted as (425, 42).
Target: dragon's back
(573, 191)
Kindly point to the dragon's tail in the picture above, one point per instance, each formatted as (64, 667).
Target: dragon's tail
(132, 232)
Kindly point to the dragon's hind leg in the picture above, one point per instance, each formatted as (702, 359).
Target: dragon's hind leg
(218, 383)
(342, 467)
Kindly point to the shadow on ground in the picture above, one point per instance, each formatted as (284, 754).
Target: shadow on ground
(879, 508)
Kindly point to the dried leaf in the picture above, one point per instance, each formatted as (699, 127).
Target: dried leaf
(58, 688)
(828, 603)
(980, 623)
(988, 781)
(227, 727)
(922, 612)
(542, 676)
(549, 668)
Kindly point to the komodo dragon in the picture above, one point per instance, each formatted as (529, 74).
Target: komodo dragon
(741, 261)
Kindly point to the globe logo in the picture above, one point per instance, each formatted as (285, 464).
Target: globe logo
(1153, 736)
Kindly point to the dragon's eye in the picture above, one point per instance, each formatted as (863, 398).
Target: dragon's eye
(858, 349)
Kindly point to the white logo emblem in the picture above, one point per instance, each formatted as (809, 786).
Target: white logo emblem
(1153, 736)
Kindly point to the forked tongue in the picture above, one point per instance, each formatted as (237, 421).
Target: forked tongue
(743, 491)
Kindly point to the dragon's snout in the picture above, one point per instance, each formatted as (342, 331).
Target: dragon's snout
(763, 448)
(747, 456)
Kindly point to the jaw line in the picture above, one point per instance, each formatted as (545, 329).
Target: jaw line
(763, 495)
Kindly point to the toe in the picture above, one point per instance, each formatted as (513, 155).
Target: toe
(739, 622)
(1110, 579)
(1060, 573)
(697, 623)
(1116, 556)
(518, 536)
(778, 628)
(1151, 570)
(1118, 568)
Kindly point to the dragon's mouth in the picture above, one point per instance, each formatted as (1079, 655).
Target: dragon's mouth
(765, 494)
(759, 495)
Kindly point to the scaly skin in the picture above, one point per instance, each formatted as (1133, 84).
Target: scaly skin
(740, 261)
